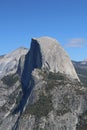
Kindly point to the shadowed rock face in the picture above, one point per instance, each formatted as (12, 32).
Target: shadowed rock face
(33, 60)
(46, 53)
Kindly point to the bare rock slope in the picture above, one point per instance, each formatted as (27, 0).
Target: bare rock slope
(9, 63)
(53, 56)
(48, 94)
(47, 54)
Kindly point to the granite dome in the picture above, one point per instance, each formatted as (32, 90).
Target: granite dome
(53, 56)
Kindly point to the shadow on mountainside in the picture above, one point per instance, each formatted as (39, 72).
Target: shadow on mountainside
(33, 60)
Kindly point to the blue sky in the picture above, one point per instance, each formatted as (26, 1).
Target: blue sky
(65, 20)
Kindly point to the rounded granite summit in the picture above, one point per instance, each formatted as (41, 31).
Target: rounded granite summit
(53, 56)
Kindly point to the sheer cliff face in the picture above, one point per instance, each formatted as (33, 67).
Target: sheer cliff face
(47, 54)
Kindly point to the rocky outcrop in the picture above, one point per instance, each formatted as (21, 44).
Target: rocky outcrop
(54, 57)
(10, 85)
(51, 96)
(9, 63)
(55, 103)
(47, 54)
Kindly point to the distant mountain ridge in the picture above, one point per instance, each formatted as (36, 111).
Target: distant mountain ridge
(81, 69)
